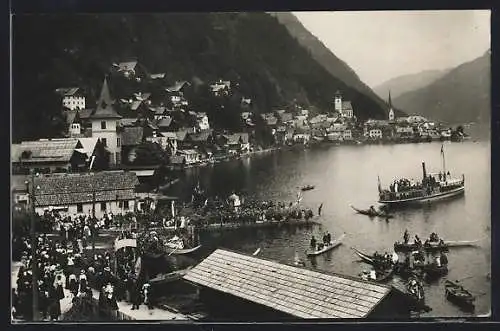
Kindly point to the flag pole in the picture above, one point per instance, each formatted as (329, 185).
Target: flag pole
(444, 161)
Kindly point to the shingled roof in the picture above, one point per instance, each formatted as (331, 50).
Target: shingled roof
(67, 189)
(295, 291)
(53, 150)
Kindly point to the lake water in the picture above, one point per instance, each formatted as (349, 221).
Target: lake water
(347, 175)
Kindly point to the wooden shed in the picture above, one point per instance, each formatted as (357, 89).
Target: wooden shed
(238, 287)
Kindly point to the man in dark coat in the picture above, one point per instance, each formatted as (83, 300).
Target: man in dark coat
(55, 303)
(135, 294)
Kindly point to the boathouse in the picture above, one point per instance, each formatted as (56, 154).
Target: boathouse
(237, 287)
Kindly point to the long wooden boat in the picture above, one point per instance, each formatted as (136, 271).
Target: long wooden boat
(168, 278)
(381, 276)
(433, 270)
(428, 247)
(334, 243)
(307, 188)
(364, 257)
(372, 213)
(458, 294)
(181, 251)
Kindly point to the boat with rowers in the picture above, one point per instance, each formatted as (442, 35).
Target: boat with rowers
(377, 275)
(457, 294)
(176, 246)
(307, 188)
(433, 244)
(372, 212)
(327, 245)
(433, 187)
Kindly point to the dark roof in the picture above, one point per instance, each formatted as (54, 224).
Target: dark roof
(200, 136)
(53, 150)
(165, 122)
(127, 66)
(177, 86)
(295, 291)
(105, 108)
(128, 121)
(67, 91)
(132, 136)
(285, 117)
(346, 105)
(17, 183)
(67, 189)
(157, 76)
(181, 135)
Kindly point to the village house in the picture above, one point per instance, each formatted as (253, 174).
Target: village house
(105, 125)
(48, 155)
(285, 118)
(375, 133)
(416, 119)
(72, 97)
(228, 287)
(404, 131)
(221, 88)
(131, 138)
(78, 123)
(167, 141)
(177, 93)
(202, 121)
(130, 70)
(191, 156)
(344, 108)
(237, 143)
(300, 121)
(301, 137)
(73, 194)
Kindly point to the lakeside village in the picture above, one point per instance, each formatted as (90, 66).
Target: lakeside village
(94, 243)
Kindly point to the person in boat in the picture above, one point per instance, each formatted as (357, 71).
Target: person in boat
(372, 210)
(319, 209)
(313, 242)
(418, 242)
(406, 236)
(443, 259)
(325, 239)
(328, 237)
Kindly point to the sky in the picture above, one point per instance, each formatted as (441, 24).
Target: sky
(380, 45)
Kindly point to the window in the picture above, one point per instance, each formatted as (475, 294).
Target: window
(104, 141)
(119, 204)
(118, 158)
(103, 125)
(79, 208)
(118, 142)
(103, 206)
(125, 204)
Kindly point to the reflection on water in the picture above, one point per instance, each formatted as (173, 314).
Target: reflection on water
(345, 176)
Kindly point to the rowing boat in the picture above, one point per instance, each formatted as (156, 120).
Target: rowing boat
(372, 213)
(181, 251)
(364, 257)
(428, 246)
(307, 188)
(381, 276)
(458, 294)
(326, 248)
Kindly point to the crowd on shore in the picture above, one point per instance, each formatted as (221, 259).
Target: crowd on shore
(66, 267)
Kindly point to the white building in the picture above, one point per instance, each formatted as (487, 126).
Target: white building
(105, 122)
(347, 134)
(344, 108)
(78, 194)
(416, 119)
(375, 133)
(202, 121)
(191, 156)
(72, 98)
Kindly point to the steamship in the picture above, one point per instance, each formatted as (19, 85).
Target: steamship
(433, 187)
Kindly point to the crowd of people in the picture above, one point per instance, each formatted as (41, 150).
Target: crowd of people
(66, 268)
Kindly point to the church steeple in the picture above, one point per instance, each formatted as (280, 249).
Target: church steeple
(104, 107)
(391, 111)
(390, 101)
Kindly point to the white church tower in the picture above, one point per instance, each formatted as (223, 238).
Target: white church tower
(338, 102)
(391, 111)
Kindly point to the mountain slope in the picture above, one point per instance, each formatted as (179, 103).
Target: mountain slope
(327, 58)
(252, 49)
(462, 95)
(407, 83)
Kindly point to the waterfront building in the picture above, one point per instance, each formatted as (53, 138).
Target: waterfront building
(344, 108)
(190, 156)
(230, 291)
(375, 133)
(74, 194)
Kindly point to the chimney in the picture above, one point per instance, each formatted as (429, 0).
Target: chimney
(424, 173)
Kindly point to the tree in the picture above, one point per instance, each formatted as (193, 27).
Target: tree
(149, 153)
